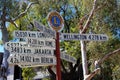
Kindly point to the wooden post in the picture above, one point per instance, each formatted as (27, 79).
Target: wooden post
(58, 66)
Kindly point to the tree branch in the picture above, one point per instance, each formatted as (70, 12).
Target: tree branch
(89, 18)
(63, 67)
(77, 64)
(51, 71)
(89, 77)
(86, 16)
(108, 55)
(12, 22)
(23, 13)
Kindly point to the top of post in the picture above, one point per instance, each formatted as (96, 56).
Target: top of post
(55, 21)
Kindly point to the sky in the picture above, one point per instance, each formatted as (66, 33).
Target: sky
(1, 47)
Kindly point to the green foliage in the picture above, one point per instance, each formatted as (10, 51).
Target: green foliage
(28, 73)
(1, 42)
(105, 21)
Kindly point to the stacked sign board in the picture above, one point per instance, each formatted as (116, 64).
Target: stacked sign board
(27, 59)
(38, 46)
(36, 50)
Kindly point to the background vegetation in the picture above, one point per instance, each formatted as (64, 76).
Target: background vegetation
(106, 20)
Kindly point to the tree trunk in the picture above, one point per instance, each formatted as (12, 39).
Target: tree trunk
(6, 53)
(84, 59)
(4, 39)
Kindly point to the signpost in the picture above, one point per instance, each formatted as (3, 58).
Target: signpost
(26, 59)
(63, 56)
(14, 44)
(31, 34)
(44, 29)
(41, 42)
(56, 23)
(30, 50)
(38, 48)
(67, 57)
(84, 37)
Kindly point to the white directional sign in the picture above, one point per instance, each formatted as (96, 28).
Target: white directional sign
(33, 65)
(67, 57)
(41, 42)
(84, 37)
(14, 44)
(44, 29)
(31, 50)
(26, 59)
(31, 34)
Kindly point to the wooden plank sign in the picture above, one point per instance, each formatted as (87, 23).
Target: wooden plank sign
(26, 59)
(84, 37)
(15, 44)
(31, 50)
(31, 34)
(67, 57)
(34, 42)
(44, 29)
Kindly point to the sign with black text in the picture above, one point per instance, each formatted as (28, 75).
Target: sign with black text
(26, 59)
(15, 44)
(67, 57)
(34, 42)
(31, 50)
(84, 37)
(44, 29)
(31, 34)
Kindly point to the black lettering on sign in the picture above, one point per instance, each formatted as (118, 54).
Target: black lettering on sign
(95, 37)
(83, 37)
(22, 59)
(51, 60)
(14, 60)
(66, 37)
(27, 50)
(41, 43)
(45, 60)
(32, 41)
(46, 51)
(17, 50)
(41, 35)
(67, 57)
(49, 43)
(42, 60)
(43, 51)
(27, 58)
(8, 44)
(104, 38)
(36, 60)
(33, 35)
(89, 37)
(76, 36)
(20, 34)
(11, 60)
